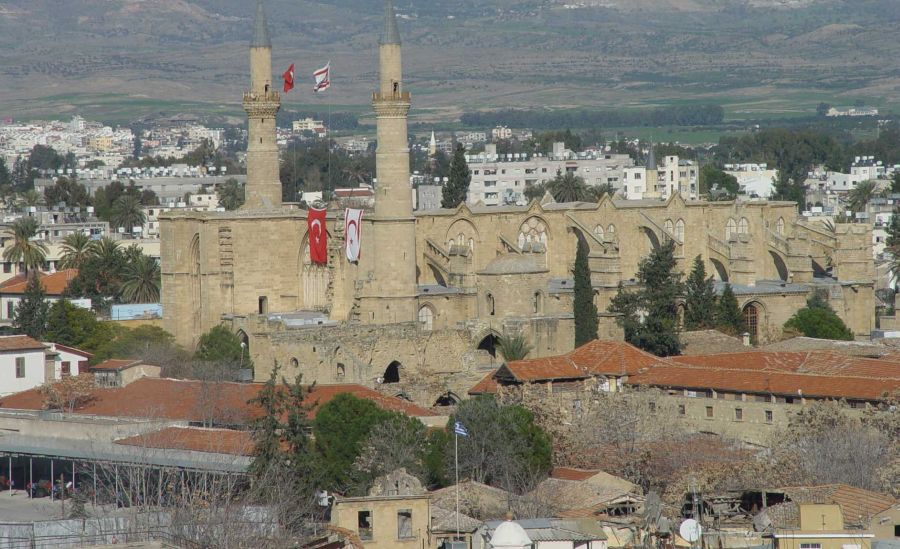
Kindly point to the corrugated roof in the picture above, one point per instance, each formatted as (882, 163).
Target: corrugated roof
(54, 284)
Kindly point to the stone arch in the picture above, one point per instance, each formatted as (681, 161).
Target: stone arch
(489, 343)
(462, 232)
(730, 228)
(679, 230)
(447, 399)
(314, 281)
(426, 317)
(721, 271)
(534, 230)
(780, 267)
(754, 318)
(652, 239)
(392, 373)
(438, 276)
(245, 344)
(340, 372)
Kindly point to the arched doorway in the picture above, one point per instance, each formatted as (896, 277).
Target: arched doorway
(447, 399)
(489, 344)
(392, 373)
(752, 319)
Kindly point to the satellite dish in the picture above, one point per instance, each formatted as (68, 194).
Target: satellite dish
(690, 530)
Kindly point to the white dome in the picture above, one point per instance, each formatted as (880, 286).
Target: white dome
(510, 534)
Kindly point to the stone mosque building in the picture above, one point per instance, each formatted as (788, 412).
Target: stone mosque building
(420, 313)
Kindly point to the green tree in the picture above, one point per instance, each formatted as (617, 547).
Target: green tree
(456, 190)
(568, 187)
(729, 318)
(649, 315)
(125, 343)
(819, 320)
(70, 325)
(141, 280)
(699, 299)
(128, 213)
(505, 447)
(397, 442)
(231, 194)
(100, 277)
(893, 230)
(76, 250)
(5, 175)
(858, 198)
(67, 191)
(535, 191)
(895, 183)
(514, 347)
(587, 322)
(340, 428)
(24, 249)
(711, 177)
(219, 344)
(30, 317)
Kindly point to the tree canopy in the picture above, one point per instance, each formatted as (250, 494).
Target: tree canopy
(587, 322)
(819, 320)
(699, 299)
(30, 316)
(456, 190)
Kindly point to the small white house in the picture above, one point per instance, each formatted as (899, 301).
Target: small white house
(26, 363)
(66, 361)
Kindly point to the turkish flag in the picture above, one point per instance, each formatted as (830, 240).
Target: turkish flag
(352, 229)
(318, 237)
(288, 79)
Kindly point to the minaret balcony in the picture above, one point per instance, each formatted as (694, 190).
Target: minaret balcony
(262, 104)
(401, 96)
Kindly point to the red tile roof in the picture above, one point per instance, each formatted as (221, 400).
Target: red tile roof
(215, 441)
(19, 343)
(823, 374)
(854, 502)
(570, 473)
(200, 401)
(54, 284)
(74, 351)
(116, 364)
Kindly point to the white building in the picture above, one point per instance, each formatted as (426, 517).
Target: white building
(499, 180)
(310, 125)
(852, 111)
(26, 363)
(755, 180)
(501, 132)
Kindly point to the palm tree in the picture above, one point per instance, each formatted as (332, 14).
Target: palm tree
(514, 347)
(77, 248)
(128, 212)
(31, 253)
(568, 187)
(30, 199)
(859, 197)
(596, 192)
(141, 281)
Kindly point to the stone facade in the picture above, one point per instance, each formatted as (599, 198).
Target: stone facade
(432, 291)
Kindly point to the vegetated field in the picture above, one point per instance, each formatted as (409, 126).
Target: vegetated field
(120, 60)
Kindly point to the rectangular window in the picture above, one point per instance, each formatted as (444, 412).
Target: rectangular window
(404, 524)
(810, 546)
(10, 309)
(739, 414)
(66, 368)
(652, 407)
(709, 412)
(20, 367)
(7, 267)
(364, 525)
(682, 410)
(769, 416)
(690, 394)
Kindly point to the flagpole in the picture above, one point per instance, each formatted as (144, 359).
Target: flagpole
(456, 461)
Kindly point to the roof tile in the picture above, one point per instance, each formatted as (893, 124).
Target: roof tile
(54, 284)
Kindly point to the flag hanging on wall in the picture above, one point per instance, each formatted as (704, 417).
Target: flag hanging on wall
(288, 79)
(318, 237)
(353, 231)
(323, 78)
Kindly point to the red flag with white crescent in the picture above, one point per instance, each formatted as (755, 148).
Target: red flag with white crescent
(353, 231)
(318, 236)
(288, 79)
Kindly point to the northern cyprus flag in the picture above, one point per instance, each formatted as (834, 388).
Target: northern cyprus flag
(352, 232)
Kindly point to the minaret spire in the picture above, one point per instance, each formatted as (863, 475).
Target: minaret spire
(261, 28)
(391, 34)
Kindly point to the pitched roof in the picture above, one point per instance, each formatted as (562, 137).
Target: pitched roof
(198, 401)
(709, 342)
(116, 364)
(54, 284)
(19, 343)
(570, 473)
(73, 351)
(215, 441)
(855, 502)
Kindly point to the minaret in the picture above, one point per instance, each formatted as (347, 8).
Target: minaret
(391, 294)
(432, 146)
(651, 179)
(262, 103)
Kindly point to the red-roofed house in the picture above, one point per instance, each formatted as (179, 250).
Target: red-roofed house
(119, 373)
(54, 284)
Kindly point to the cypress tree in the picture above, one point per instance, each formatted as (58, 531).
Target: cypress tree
(893, 230)
(33, 311)
(457, 188)
(700, 299)
(586, 318)
(729, 317)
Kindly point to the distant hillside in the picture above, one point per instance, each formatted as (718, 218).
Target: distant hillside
(126, 58)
